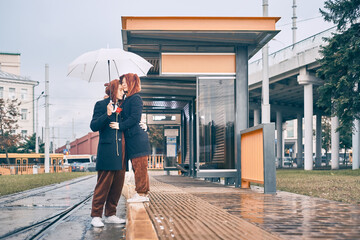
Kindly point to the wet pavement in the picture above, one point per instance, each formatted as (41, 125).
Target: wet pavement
(58, 211)
(285, 215)
(179, 208)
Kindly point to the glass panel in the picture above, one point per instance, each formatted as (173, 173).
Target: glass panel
(216, 123)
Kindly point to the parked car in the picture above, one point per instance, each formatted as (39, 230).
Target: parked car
(288, 161)
(80, 163)
(83, 167)
(88, 167)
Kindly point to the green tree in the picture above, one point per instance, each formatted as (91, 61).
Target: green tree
(9, 113)
(340, 63)
(156, 135)
(28, 146)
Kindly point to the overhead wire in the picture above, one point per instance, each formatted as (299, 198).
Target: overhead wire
(303, 20)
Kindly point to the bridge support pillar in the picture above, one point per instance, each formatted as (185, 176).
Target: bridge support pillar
(299, 154)
(318, 141)
(308, 80)
(279, 142)
(308, 118)
(335, 140)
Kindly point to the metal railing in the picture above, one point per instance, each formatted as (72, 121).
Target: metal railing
(281, 55)
(156, 161)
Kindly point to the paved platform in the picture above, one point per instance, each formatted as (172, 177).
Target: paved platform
(187, 208)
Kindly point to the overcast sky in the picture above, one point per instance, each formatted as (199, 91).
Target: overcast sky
(57, 31)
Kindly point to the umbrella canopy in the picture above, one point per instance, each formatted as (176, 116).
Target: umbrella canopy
(105, 64)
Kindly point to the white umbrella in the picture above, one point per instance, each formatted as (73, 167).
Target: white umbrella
(97, 66)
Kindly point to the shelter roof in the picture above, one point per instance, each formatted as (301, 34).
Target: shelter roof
(151, 36)
(148, 36)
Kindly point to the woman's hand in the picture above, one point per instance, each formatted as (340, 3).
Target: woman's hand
(114, 125)
(109, 108)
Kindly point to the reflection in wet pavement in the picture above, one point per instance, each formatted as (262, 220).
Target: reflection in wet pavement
(77, 225)
(22, 210)
(177, 214)
(292, 216)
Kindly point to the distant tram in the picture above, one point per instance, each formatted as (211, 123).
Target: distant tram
(31, 158)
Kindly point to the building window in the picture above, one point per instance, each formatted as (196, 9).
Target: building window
(24, 93)
(12, 93)
(23, 114)
(23, 133)
(1, 92)
(290, 129)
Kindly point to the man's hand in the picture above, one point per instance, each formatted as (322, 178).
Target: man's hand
(114, 125)
(143, 126)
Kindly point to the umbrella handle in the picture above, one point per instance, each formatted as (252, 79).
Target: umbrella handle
(114, 109)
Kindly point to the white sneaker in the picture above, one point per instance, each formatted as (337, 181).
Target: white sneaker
(114, 219)
(96, 222)
(138, 199)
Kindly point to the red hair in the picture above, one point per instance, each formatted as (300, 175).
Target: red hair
(133, 83)
(112, 88)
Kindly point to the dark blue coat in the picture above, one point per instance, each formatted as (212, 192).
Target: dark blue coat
(107, 156)
(137, 140)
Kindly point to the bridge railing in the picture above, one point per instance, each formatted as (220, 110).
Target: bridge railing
(307, 44)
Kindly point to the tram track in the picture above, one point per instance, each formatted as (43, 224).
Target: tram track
(37, 191)
(47, 222)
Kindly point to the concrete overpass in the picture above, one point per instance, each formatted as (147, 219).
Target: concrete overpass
(291, 77)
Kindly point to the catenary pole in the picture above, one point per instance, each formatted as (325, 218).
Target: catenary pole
(265, 108)
(47, 132)
(37, 124)
(294, 17)
(53, 139)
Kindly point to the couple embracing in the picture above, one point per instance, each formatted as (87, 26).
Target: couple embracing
(120, 138)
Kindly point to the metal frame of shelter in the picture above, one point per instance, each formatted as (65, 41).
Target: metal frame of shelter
(186, 49)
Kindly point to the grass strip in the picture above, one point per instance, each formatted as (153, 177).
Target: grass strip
(337, 185)
(16, 183)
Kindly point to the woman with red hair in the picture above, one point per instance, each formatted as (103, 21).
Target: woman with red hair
(137, 141)
(110, 161)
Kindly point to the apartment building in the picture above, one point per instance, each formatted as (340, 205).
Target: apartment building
(14, 86)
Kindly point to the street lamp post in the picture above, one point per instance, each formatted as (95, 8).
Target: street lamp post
(37, 123)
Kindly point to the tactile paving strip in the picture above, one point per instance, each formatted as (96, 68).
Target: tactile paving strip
(177, 214)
